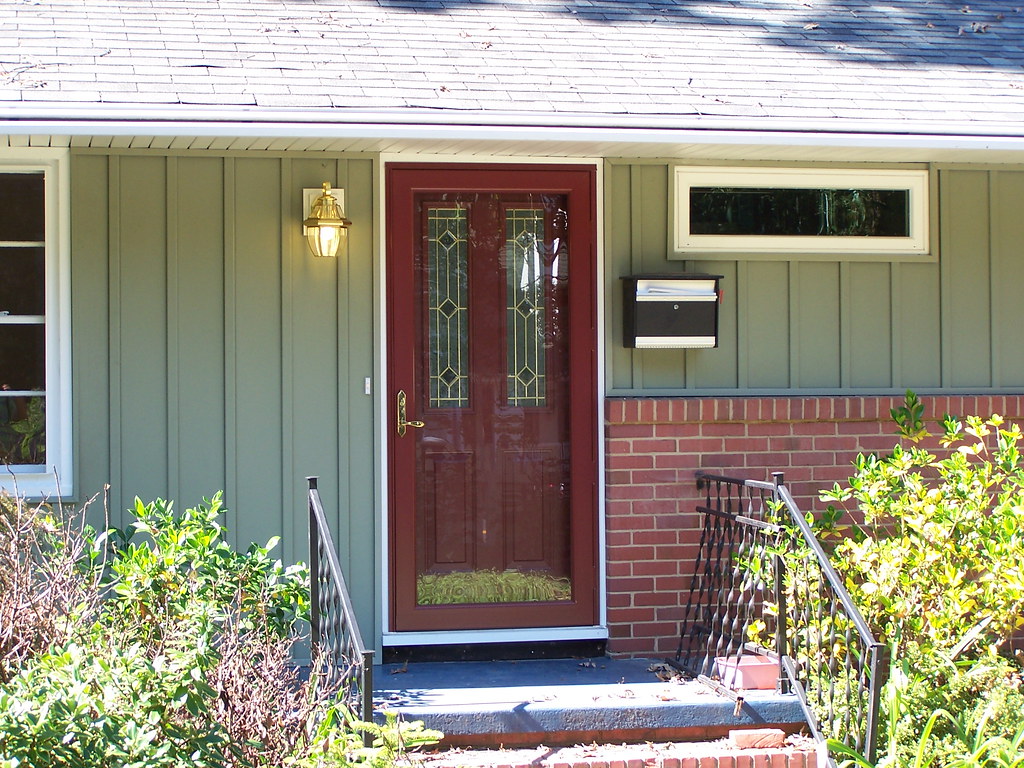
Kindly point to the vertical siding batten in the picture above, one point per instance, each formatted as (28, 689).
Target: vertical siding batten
(143, 326)
(846, 325)
(173, 481)
(742, 292)
(360, 497)
(230, 349)
(636, 265)
(200, 315)
(286, 214)
(1008, 261)
(90, 308)
(114, 329)
(896, 321)
(994, 280)
(793, 268)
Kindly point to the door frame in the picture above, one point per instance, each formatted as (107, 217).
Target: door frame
(387, 636)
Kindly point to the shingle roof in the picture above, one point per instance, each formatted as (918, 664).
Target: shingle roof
(905, 62)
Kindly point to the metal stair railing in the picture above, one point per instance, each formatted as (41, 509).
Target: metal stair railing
(760, 561)
(333, 627)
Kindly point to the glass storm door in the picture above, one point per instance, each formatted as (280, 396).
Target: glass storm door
(492, 404)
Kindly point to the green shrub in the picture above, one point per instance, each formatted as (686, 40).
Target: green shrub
(935, 563)
(937, 566)
(185, 660)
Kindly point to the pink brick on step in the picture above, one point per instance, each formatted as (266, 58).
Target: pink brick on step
(760, 738)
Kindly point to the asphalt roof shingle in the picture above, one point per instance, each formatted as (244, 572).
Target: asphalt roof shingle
(900, 61)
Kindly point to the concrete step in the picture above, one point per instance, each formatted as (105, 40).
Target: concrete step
(570, 701)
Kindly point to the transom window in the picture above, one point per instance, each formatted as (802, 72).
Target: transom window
(801, 210)
(34, 426)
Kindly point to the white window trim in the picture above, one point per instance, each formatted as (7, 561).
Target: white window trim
(57, 478)
(914, 181)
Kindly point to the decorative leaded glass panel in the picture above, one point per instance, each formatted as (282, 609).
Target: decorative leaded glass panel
(525, 311)
(448, 307)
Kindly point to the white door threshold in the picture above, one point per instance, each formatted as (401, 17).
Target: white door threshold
(471, 636)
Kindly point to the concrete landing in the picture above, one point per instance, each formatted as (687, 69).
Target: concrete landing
(568, 701)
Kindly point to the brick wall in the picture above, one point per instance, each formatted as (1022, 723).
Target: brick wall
(655, 447)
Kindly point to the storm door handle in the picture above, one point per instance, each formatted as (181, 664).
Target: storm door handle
(401, 421)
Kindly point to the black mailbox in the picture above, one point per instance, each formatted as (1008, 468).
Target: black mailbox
(671, 311)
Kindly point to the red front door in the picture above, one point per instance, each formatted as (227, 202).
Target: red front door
(492, 388)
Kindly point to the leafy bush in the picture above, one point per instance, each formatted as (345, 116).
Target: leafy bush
(184, 660)
(47, 577)
(938, 565)
(935, 563)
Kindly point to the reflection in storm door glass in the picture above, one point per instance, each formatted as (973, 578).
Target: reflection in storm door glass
(524, 274)
(448, 308)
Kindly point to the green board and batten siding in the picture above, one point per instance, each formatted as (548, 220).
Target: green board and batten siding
(844, 325)
(211, 351)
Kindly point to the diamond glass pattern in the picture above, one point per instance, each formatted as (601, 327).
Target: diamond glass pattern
(447, 296)
(525, 310)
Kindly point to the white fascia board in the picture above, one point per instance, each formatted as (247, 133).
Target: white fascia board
(503, 127)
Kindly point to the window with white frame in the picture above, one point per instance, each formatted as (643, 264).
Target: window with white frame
(762, 210)
(35, 448)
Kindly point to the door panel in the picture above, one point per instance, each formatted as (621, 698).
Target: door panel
(492, 471)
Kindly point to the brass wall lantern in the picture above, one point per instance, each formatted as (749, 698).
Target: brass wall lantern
(325, 226)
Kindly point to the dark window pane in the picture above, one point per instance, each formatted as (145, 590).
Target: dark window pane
(22, 430)
(22, 275)
(22, 357)
(22, 214)
(800, 212)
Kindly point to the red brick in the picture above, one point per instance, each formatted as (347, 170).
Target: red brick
(630, 492)
(813, 459)
(791, 443)
(670, 613)
(618, 446)
(675, 491)
(634, 615)
(620, 538)
(618, 477)
(724, 429)
(629, 645)
(655, 537)
(618, 567)
(627, 523)
(722, 460)
(675, 552)
(685, 459)
(618, 601)
(628, 461)
(640, 476)
(655, 629)
(858, 428)
(632, 553)
(768, 428)
(656, 507)
(841, 443)
(634, 584)
(654, 445)
(757, 738)
(654, 568)
(748, 444)
(629, 430)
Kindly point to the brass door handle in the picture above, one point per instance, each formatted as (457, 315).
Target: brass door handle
(401, 421)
